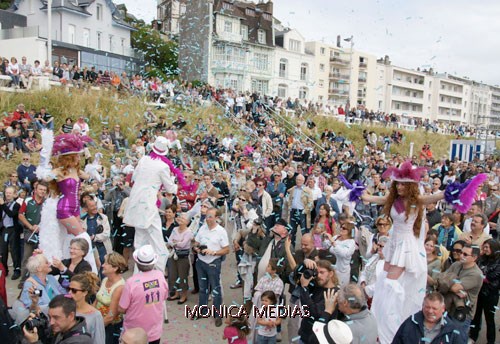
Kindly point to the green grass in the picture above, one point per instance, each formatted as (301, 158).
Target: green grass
(104, 108)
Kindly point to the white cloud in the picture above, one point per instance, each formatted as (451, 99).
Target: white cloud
(454, 36)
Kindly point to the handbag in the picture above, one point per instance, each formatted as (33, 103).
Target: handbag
(182, 253)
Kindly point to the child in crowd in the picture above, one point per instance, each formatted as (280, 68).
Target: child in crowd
(319, 235)
(266, 326)
(237, 330)
(270, 281)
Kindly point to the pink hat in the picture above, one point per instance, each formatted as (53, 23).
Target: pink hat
(69, 144)
(406, 173)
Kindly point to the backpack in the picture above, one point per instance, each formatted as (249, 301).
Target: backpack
(10, 332)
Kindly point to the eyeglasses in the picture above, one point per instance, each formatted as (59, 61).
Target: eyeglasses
(74, 290)
(465, 254)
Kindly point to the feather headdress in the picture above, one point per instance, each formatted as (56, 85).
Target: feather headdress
(69, 144)
(406, 173)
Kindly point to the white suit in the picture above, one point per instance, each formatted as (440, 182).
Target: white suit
(142, 212)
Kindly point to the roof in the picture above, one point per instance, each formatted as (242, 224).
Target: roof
(261, 19)
(80, 7)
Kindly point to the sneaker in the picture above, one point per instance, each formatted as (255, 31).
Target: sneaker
(16, 275)
(218, 322)
(278, 337)
(236, 285)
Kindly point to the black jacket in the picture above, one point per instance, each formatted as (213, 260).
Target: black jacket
(491, 271)
(314, 298)
(6, 210)
(412, 331)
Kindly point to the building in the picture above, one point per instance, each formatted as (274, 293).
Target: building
(293, 75)
(495, 108)
(349, 75)
(168, 14)
(228, 44)
(84, 32)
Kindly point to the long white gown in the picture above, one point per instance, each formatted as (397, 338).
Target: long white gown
(54, 240)
(395, 300)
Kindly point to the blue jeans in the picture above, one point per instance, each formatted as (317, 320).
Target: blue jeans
(265, 340)
(464, 329)
(209, 279)
(297, 217)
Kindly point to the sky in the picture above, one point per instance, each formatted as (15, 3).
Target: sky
(460, 37)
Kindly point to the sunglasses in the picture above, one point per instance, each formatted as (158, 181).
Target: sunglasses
(383, 224)
(74, 290)
(465, 254)
(457, 250)
(242, 199)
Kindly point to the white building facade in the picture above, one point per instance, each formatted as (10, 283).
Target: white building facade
(293, 75)
(87, 33)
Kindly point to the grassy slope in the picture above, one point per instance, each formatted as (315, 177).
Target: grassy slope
(103, 109)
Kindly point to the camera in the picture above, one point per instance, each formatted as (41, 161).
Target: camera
(461, 309)
(99, 229)
(38, 292)
(302, 270)
(41, 323)
(202, 247)
(310, 273)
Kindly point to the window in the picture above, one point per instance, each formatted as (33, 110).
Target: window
(322, 51)
(99, 12)
(294, 45)
(261, 61)
(303, 93)
(267, 16)
(283, 68)
(226, 6)
(322, 67)
(282, 90)
(110, 42)
(86, 37)
(244, 32)
(228, 26)
(123, 45)
(303, 71)
(261, 36)
(99, 34)
(260, 86)
(250, 12)
(71, 34)
(183, 9)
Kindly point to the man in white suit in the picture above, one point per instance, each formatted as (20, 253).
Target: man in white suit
(142, 213)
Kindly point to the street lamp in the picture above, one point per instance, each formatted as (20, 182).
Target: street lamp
(350, 40)
(49, 34)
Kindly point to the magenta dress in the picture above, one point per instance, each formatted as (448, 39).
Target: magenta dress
(68, 204)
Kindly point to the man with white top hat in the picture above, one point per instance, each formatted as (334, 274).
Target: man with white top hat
(153, 172)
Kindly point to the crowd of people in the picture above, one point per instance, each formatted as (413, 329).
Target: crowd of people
(174, 209)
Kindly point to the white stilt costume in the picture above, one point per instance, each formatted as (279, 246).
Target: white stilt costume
(150, 175)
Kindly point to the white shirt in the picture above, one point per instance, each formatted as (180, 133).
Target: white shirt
(215, 239)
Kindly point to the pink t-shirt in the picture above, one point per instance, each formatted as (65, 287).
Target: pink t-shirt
(143, 299)
(231, 333)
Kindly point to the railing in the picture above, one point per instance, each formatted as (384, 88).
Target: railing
(339, 60)
(20, 32)
(339, 76)
(362, 65)
(361, 79)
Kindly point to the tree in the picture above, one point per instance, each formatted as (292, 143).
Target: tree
(160, 56)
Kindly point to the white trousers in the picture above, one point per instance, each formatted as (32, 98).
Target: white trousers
(152, 236)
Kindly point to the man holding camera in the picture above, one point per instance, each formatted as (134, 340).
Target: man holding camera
(212, 244)
(317, 280)
(460, 285)
(98, 228)
(64, 324)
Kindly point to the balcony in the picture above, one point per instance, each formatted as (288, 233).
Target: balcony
(339, 76)
(363, 65)
(361, 79)
(338, 60)
(20, 32)
(337, 92)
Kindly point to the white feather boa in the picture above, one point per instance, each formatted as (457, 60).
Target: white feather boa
(44, 169)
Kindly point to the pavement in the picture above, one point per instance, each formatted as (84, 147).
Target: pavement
(180, 329)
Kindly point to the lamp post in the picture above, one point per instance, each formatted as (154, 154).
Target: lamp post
(348, 105)
(49, 33)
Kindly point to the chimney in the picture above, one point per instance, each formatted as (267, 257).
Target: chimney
(386, 60)
(338, 41)
(265, 7)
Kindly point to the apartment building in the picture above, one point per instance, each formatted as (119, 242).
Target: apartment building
(168, 15)
(495, 108)
(293, 75)
(84, 32)
(228, 44)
